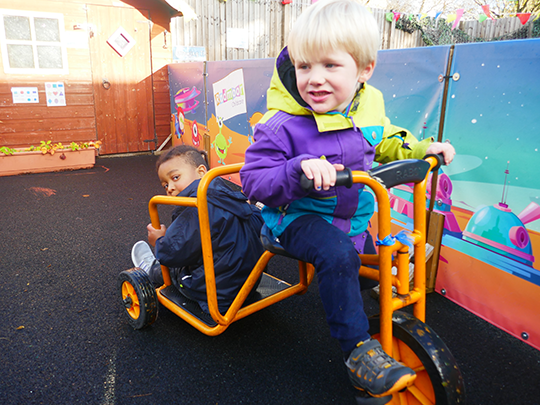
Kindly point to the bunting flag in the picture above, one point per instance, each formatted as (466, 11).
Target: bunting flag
(524, 17)
(486, 11)
(482, 17)
(459, 14)
(438, 14)
(389, 16)
(396, 16)
(450, 18)
(424, 15)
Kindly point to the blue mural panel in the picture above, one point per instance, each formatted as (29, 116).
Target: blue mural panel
(409, 81)
(245, 83)
(492, 121)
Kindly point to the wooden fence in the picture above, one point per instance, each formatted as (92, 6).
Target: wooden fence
(262, 27)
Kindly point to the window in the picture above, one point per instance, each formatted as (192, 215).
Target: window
(32, 42)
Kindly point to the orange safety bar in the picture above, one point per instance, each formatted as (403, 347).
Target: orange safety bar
(235, 311)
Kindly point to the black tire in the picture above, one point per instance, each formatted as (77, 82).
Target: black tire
(417, 346)
(138, 297)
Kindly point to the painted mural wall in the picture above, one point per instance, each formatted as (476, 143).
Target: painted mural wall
(490, 195)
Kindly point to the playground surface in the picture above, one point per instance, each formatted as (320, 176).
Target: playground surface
(64, 337)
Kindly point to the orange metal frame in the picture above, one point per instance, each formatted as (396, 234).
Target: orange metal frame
(388, 304)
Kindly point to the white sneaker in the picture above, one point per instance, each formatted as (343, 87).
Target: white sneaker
(142, 256)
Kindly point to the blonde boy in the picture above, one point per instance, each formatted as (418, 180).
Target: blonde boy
(322, 117)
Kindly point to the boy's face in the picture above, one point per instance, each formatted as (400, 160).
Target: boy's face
(329, 82)
(176, 174)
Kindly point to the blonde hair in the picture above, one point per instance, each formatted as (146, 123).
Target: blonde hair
(335, 24)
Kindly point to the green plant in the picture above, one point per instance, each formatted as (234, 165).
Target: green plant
(7, 151)
(50, 147)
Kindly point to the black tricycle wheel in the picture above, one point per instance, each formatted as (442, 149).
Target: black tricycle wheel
(416, 345)
(138, 297)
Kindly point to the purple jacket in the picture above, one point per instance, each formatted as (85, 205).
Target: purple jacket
(291, 132)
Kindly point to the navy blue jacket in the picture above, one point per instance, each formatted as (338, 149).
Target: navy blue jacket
(235, 229)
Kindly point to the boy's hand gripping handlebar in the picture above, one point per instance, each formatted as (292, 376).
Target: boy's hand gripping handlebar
(390, 174)
(343, 178)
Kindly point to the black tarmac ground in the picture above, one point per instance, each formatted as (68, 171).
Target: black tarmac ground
(65, 339)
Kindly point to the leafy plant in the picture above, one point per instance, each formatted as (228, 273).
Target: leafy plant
(7, 151)
(51, 148)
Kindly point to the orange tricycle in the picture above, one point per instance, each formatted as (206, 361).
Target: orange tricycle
(403, 336)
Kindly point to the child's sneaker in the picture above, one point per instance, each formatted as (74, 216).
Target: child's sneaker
(374, 371)
(142, 256)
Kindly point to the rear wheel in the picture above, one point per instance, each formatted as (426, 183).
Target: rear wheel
(416, 345)
(138, 297)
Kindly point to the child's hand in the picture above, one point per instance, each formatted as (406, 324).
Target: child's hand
(321, 171)
(445, 148)
(154, 234)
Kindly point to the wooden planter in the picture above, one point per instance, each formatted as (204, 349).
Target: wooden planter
(36, 162)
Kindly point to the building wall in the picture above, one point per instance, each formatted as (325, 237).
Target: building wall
(28, 124)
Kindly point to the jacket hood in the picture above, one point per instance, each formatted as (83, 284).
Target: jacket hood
(222, 196)
(283, 95)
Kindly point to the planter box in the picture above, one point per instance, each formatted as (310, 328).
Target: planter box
(36, 162)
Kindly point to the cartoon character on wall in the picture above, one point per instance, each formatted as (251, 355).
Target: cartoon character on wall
(195, 135)
(220, 143)
(179, 122)
(185, 99)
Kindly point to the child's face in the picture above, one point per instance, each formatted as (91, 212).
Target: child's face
(176, 174)
(329, 82)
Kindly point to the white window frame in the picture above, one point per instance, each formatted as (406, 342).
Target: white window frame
(31, 15)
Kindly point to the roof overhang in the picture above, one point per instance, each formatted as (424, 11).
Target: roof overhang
(180, 8)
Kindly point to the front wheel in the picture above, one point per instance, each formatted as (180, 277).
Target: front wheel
(138, 297)
(416, 345)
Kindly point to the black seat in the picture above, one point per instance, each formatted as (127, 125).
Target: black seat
(400, 172)
(271, 243)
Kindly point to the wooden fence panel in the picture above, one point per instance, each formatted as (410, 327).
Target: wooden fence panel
(267, 24)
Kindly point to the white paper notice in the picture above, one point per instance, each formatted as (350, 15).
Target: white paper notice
(56, 94)
(25, 94)
(230, 96)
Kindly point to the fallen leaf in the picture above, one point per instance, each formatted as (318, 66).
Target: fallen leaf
(86, 195)
(44, 249)
(20, 327)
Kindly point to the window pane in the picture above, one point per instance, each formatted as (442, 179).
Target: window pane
(17, 27)
(20, 56)
(49, 57)
(47, 29)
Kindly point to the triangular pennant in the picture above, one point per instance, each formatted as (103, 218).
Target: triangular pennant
(486, 11)
(524, 17)
(482, 18)
(396, 16)
(389, 16)
(459, 14)
(450, 18)
(438, 14)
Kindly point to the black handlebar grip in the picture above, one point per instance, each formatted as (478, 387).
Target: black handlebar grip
(440, 160)
(343, 178)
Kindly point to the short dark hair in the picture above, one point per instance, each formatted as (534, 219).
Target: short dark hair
(191, 154)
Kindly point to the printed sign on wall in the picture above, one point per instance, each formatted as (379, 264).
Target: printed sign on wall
(25, 94)
(56, 94)
(229, 95)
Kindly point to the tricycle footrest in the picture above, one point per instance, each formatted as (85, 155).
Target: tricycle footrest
(268, 286)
